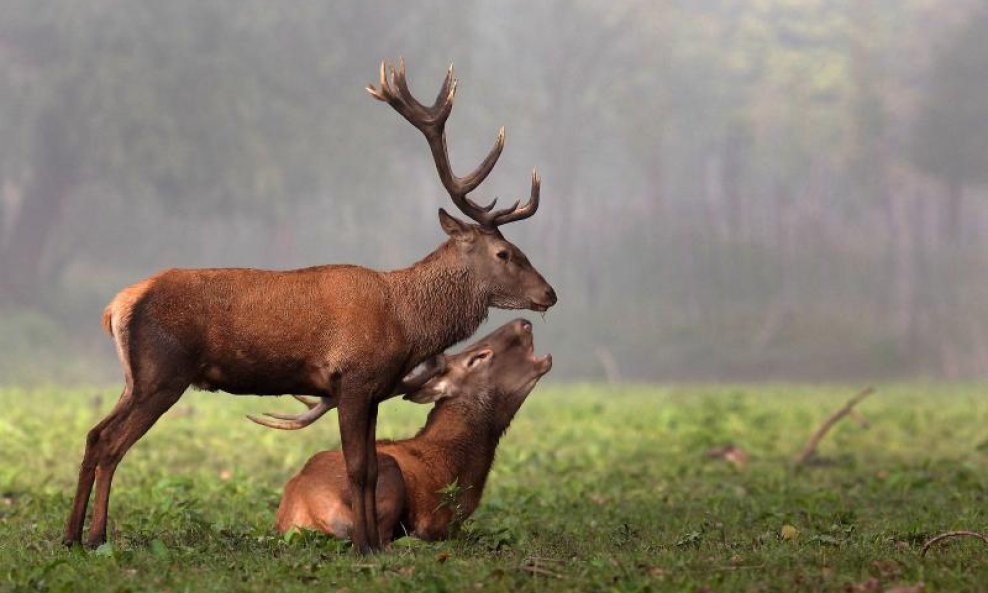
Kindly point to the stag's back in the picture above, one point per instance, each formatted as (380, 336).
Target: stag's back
(256, 331)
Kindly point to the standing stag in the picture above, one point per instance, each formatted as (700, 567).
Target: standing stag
(343, 333)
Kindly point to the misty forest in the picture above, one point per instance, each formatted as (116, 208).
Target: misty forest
(766, 222)
(732, 190)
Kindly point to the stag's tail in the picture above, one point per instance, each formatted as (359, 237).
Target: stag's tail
(117, 314)
(108, 319)
(116, 322)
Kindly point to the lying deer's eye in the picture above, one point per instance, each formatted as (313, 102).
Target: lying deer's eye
(503, 254)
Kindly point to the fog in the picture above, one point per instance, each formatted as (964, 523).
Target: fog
(731, 190)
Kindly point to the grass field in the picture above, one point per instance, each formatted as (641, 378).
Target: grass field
(595, 489)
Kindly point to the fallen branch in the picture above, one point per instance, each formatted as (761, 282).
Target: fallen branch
(950, 534)
(537, 570)
(537, 560)
(821, 432)
(733, 568)
(730, 453)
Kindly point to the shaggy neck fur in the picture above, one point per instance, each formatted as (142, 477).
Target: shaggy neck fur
(467, 429)
(438, 301)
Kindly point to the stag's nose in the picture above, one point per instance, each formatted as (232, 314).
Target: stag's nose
(550, 296)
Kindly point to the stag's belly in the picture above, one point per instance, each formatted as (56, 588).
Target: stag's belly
(320, 368)
(279, 359)
(297, 379)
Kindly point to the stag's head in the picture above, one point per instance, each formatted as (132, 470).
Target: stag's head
(496, 264)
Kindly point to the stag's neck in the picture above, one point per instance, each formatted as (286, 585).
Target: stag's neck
(438, 301)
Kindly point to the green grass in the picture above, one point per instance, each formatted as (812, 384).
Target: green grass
(601, 489)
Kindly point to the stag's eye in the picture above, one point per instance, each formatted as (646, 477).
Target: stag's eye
(503, 255)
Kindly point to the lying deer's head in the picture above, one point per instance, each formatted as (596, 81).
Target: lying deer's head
(496, 373)
(503, 271)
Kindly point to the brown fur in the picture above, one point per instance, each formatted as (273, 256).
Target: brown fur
(122, 305)
(107, 315)
(457, 445)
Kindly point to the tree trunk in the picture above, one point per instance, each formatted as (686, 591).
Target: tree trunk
(55, 172)
(952, 227)
(732, 173)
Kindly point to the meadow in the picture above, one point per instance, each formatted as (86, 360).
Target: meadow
(595, 488)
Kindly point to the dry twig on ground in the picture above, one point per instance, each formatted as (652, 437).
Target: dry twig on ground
(730, 453)
(829, 423)
(950, 534)
(539, 571)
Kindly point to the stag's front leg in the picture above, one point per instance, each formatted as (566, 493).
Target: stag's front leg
(355, 422)
(370, 490)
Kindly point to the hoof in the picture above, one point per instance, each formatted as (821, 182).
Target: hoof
(367, 550)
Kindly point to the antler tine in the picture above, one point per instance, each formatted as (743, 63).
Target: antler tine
(508, 210)
(400, 82)
(486, 208)
(310, 402)
(296, 421)
(477, 176)
(514, 212)
(439, 112)
(421, 116)
(383, 94)
(447, 91)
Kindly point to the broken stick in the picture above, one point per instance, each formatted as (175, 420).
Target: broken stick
(939, 538)
(848, 408)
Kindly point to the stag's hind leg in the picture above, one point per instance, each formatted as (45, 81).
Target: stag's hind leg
(125, 426)
(87, 474)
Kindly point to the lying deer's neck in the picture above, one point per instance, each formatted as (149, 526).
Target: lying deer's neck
(438, 301)
(466, 439)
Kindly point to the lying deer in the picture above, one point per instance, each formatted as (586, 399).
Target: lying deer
(345, 334)
(478, 394)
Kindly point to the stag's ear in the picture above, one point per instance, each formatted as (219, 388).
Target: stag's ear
(454, 227)
(481, 357)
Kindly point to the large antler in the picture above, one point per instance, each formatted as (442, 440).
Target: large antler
(431, 121)
(317, 407)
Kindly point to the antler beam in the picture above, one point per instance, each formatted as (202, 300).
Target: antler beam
(317, 408)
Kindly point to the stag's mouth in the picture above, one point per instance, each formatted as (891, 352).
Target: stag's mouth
(539, 307)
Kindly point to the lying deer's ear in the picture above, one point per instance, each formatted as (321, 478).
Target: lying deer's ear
(454, 227)
(480, 357)
(432, 391)
(422, 373)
